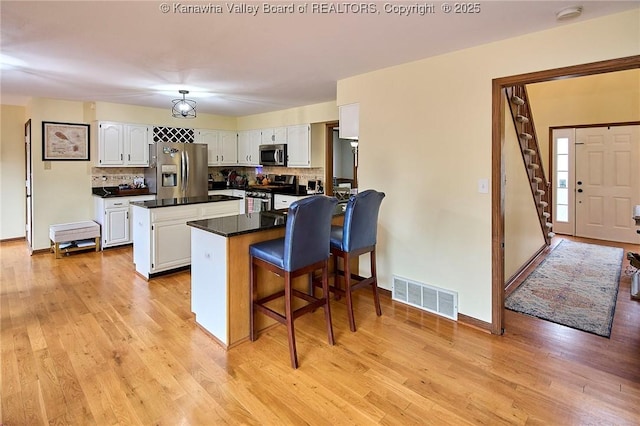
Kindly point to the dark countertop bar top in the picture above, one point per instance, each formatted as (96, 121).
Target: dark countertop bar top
(230, 226)
(172, 202)
(114, 191)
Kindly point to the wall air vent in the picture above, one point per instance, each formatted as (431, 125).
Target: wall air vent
(173, 134)
(423, 296)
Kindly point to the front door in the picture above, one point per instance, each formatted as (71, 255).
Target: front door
(607, 182)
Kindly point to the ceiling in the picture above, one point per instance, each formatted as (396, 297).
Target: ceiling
(236, 63)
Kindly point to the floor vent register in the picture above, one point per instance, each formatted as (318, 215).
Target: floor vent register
(426, 297)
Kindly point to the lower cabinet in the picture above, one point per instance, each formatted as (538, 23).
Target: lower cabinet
(161, 237)
(114, 217)
(116, 227)
(281, 201)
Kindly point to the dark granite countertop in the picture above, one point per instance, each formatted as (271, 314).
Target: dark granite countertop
(230, 226)
(172, 202)
(114, 191)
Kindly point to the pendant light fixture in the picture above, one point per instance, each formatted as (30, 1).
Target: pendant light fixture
(183, 108)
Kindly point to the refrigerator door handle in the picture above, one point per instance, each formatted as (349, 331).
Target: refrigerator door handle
(187, 169)
(183, 171)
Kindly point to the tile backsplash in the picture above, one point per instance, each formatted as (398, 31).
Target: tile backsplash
(114, 176)
(303, 175)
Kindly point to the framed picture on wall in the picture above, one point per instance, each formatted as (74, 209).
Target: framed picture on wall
(65, 141)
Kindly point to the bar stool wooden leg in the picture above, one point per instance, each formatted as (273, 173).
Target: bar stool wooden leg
(374, 284)
(327, 306)
(254, 298)
(336, 277)
(347, 290)
(289, 315)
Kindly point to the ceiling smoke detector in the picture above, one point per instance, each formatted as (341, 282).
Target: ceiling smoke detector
(569, 13)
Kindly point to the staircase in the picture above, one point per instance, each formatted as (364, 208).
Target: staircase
(523, 122)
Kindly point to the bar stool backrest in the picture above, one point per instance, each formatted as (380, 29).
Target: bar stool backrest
(361, 220)
(308, 228)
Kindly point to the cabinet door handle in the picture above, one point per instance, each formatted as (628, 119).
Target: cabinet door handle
(120, 157)
(129, 157)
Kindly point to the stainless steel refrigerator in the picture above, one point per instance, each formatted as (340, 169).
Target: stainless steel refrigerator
(177, 170)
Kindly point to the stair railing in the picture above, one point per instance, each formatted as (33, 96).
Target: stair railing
(518, 101)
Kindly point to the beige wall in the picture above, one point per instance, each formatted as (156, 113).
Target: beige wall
(316, 113)
(425, 139)
(596, 99)
(159, 117)
(522, 234)
(60, 188)
(12, 172)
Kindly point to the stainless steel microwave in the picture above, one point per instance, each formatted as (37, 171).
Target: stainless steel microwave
(273, 155)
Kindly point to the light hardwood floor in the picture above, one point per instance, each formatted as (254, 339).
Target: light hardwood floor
(85, 341)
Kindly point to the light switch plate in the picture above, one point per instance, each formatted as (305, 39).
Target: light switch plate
(483, 186)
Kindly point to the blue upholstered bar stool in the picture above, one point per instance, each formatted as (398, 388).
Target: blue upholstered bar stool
(303, 250)
(357, 236)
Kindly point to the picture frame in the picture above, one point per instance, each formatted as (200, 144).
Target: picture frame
(65, 141)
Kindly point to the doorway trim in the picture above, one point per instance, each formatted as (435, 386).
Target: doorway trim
(28, 169)
(497, 165)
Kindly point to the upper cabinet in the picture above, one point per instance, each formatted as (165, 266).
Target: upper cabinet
(228, 147)
(273, 136)
(249, 147)
(210, 137)
(222, 146)
(299, 145)
(123, 144)
(137, 138)
(349, 121)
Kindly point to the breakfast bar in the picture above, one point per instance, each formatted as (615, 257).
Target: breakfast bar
(220, 286)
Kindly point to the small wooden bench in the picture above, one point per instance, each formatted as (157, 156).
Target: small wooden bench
(74, 236)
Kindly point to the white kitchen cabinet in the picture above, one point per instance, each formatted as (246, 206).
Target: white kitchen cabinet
(273, 136)
(137, 138)
(114, 216)
(228, 147)
(161, 237)
(222, 146)
(299, 146)
(282, 201)
(249, 147)
(110, 137)
(116, 228)
(242, 194)
(123, 144)
(210, 137)
(349, 116)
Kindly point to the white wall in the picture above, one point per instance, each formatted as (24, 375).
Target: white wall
(425, 140)
(12, 172)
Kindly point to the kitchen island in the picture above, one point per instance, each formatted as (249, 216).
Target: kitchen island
(161, 237)
(220, 281)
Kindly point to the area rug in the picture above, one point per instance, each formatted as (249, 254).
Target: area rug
(576, 285)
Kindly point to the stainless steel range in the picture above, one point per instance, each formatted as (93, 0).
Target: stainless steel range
(260, 197)
(257, 201)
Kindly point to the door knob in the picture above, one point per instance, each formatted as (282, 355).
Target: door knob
(580, 190)
(579, 182)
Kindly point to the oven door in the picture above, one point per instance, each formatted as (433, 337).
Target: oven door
(257, 204)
